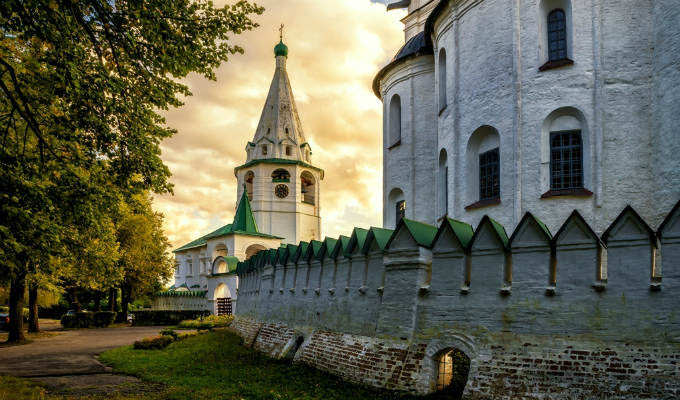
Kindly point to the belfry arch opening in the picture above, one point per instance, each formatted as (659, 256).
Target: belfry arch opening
(254, 249)
(307, 188)
(280, 175)
(249, 179)
(452, 369)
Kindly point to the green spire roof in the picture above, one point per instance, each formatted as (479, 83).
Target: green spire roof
(281, 49)
(244, 220)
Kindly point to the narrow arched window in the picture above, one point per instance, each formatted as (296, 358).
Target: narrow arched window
(557, 35)
(489, 175)
(566, 160)
(400, 211)
(442, 79)
(395, 121)
(443, 186)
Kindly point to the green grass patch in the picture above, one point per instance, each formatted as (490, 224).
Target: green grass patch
(20, 389)
(217, 366)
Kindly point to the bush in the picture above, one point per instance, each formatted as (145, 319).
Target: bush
(157, 318)
(209, 322)
(153, 343)
(86, 319)
(169, 332)
(102, 319)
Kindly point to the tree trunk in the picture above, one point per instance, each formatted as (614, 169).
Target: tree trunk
(17, 290)
(33, 324)
(125, 294)
(75, 303)
(113, 299)
(98, 301)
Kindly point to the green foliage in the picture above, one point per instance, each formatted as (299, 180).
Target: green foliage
(160, 318)
(170, 332)
(82, 88)
(217, 366)
(153, 343)
(207, 323)
(86, 319)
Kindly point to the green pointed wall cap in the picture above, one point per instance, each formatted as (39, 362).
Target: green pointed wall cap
(281, 49)
(312, 250)
(381, 236)
(461, 230)
(356, 241)
(340, 247)
(528, 217)
(421, 232)
(327, 248)
(497, 228)
(301, 251)
(575, 215)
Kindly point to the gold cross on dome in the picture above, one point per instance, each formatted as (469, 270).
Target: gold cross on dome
(281, 32)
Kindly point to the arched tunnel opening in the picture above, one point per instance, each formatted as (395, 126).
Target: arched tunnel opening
(452, 369)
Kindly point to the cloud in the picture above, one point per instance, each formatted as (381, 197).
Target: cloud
(335, 50)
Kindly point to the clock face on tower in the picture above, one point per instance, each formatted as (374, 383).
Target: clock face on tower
(281, 191)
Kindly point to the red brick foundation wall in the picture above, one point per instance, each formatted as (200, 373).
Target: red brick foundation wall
(273, 338)
(246, 328)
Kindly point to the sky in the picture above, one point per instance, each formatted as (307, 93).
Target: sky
(335, 49)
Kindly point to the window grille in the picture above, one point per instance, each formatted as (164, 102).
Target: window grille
(400, 211)
(566, 160)
(557, 35)
(489, 175)
(445, 371)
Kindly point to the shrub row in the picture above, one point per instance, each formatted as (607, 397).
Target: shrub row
(158, 318)
(85, 319)
(162, 341)
(207, 323)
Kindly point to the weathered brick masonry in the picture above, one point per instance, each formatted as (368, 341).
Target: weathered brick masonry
(574, 316)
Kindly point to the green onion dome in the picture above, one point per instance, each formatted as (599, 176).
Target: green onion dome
(281, 49)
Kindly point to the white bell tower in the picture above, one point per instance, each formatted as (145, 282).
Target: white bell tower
(282, 183)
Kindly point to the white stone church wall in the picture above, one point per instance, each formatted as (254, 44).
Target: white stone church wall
(625, 57)
(409, 167)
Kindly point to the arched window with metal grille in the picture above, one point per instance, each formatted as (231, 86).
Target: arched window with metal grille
(557, 35)
(566, 160)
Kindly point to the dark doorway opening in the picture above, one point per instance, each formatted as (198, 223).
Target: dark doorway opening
(294, 349)
(453, 367)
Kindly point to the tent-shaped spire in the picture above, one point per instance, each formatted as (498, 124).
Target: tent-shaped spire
(244, 220)
(280, 122)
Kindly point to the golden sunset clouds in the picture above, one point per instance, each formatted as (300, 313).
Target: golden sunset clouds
(335, 49)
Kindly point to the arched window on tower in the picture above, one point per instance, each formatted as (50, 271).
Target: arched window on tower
(280, 175)
(557, 35)
(397, 200)
(395, 121)
(443, 185)
(442, 79)
(307, 188)
(483, 174)
(566, 160)
(249, 179)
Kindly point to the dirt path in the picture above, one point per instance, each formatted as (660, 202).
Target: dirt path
(67, 362)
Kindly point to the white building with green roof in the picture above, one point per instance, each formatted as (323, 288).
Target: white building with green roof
(278, 192)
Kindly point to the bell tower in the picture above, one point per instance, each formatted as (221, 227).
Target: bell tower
(281, 182)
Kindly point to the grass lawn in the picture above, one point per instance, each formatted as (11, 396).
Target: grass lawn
(217, 366)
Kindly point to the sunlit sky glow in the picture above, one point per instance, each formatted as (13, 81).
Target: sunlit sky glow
(335, 49)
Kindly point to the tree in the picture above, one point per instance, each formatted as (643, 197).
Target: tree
(81, 87)
(145, 259)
